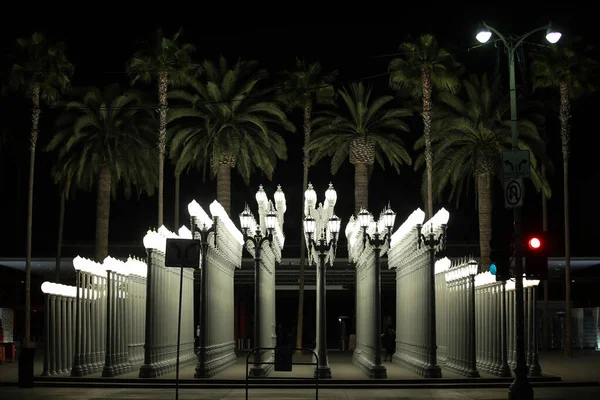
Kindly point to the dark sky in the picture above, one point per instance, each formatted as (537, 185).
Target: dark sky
(358, 51)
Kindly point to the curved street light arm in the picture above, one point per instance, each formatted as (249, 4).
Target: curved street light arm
(521, 38)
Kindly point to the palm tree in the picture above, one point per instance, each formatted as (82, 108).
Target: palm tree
(169, 61)
(422, 68)
(302, 87)
(42, 72)
(364, 131)
(62, 179)
(568, 71)
(105, 139)
(226, 123)
(469, 134)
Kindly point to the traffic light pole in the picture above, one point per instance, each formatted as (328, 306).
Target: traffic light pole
(520, 388)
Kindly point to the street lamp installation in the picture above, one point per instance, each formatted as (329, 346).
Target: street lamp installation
(377, 241)
(252, 233)
(520, 388)
(434, 244)
(202, 225)
(326, 227)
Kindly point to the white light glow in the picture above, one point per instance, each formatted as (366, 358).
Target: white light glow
(553, 36)
(483, 36)
(185, 233)
(442, 265)
(486, 278)
(261, 196)
(217, 210)
(196, 211)
(416, 218)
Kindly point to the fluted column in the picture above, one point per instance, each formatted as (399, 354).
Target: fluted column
(535, 368)
(148, 370)
(77, 370)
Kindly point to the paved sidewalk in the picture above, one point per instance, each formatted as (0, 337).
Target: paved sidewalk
(12, 393)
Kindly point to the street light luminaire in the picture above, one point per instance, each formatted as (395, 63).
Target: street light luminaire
(310, 196)
(271, 219)
(483, 35)
(245, 219)
(261, 196)
(552, 35)
(334, 224)
(310, 225)
(330, 196)
(389, 217)
(364, 218)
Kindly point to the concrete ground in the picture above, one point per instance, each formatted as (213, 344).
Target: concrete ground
(13, 393)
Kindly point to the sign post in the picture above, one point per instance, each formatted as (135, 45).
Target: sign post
(182, 253)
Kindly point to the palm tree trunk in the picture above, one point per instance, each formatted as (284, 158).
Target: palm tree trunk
(163, 84)
(546, 330)
(177, 184)
(427, 106)
(361, 187)
(484, 197)
(306, 164)
(224, 186)
(565, 114)
(102, 214)
(61, 224)
(35, 119)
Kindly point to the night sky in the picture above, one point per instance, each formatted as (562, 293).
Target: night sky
(358, 51)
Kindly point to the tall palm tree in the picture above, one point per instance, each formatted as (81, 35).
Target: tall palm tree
(422, 68)
(470, 132)
(227, 123)
(106, 139)
(62, 179)
(169, 61)
(565, 69)
(42, 72)
(301, 88)
(363, 131)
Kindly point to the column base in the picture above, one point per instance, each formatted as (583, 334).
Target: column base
(108, 372)
(520, 389)
(257, 372)
(77, 371)
(377, 372)
(473, 374)
(535, 370)
(504, 371)
(201, 371)
(148, 371)
(432, 371)
(323, 372)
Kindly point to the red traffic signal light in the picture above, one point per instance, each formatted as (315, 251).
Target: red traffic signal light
(534, 243)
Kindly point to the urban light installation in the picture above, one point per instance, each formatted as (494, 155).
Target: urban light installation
(434, 243)
(520, 388)
(326, 227)
(388, 218)
(254, 234)
(202, 225)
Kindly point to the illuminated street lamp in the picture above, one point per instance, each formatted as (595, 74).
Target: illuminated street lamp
(387, 218)
(325, 227)
(520, 388)
(252, 233)
(202, 225)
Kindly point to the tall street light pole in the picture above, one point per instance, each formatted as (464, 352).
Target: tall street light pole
(433, 243)
(202, 226)
(520, 388)
(327, 241)
(257, 239)
(377, 241)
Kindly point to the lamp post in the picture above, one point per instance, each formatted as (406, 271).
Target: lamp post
(471, 270)
(253, 233)
(377, 241)
(323, 246)
(202, 226)
(433, 243)
(520, 388)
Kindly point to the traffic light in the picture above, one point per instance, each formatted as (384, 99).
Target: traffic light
(500, 259)
(535, 251)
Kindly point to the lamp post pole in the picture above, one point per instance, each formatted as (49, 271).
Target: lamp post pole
(472, 351)
(520, 388)
(432, 370)
(201, 370)
(378, 371)
(323, 247)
